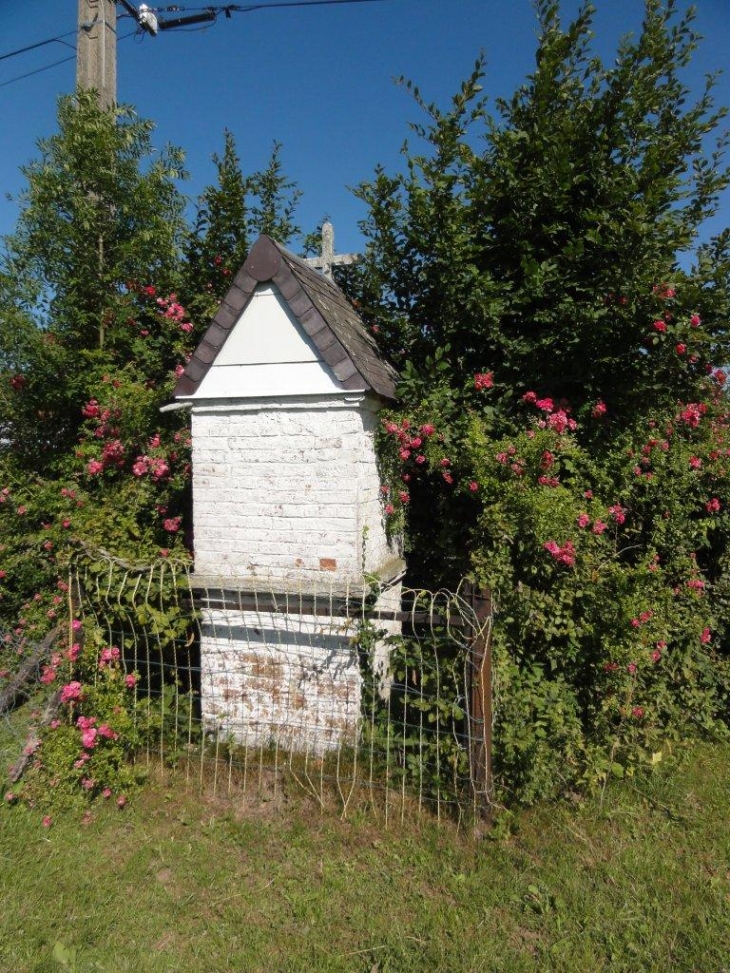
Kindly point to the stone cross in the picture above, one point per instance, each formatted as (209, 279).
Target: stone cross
(328, 259)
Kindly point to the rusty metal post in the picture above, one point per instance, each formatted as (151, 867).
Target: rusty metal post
(480, 699)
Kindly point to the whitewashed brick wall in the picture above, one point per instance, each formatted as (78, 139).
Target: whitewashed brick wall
(287, 490)
(289, 680)
(285, 680)
(286, 497)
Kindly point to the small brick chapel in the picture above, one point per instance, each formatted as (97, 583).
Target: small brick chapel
(284, 391)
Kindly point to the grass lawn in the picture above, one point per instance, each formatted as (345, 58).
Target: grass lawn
(178, 882)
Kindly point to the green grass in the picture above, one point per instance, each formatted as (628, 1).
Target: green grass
(636, 881)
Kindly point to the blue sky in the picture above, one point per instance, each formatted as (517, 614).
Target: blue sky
(318, 80)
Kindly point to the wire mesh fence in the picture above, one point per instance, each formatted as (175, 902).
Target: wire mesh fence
(375, 695)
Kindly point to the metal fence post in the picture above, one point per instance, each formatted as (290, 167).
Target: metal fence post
(480, 699)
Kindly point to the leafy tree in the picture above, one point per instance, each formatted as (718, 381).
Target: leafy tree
(104, 292)
(563, 432)
(542, 255)
(230, 216)
(101, 216)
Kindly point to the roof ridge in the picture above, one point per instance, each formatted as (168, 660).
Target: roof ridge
(337, 332)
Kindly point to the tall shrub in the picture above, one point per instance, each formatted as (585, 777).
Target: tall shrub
(537, 277)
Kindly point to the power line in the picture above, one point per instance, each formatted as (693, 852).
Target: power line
(238, 9)
(29, 74)
(53, 64)
(33, 47)
(216, 9)
(226, 9)
(149, 21)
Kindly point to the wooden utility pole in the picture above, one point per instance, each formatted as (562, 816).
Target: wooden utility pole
(96, 57)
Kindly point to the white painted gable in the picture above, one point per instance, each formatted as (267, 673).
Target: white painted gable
(267, 353)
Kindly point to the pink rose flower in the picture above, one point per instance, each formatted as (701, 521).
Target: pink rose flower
(71, 692)
(88, 738)
(483, 380)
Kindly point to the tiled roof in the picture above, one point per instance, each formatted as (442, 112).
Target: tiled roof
(316, 302)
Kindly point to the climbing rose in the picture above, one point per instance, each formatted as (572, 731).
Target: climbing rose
(484, 380)
(563, 555)
(91, 409)
(88, 738)
(71, 692)
(692, 414)
(660, 326)
(560, 421)
(599, 409)
(108, 656)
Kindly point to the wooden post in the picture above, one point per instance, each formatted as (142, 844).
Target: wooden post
(480, 700)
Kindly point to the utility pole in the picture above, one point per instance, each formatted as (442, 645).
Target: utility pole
(96, 58)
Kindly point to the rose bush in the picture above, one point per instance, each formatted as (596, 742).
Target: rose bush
(563, 431)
